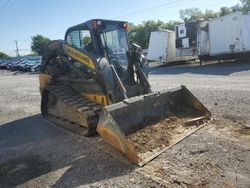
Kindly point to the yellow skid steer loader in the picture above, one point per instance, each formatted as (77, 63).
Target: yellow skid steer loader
(95, 81)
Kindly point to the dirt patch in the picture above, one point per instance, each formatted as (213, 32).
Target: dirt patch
(159, 134)
(244, 130)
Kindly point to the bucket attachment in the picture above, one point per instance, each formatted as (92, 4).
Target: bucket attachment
(145, 126)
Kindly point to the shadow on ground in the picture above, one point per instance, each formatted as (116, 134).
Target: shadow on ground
(31, 148)
(225, 68)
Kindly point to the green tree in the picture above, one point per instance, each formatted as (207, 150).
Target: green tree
(245, 6)
(3, 55)
(224, 11)
(210, 14)
(170, 25)
(38, 44)
(236, 8)
(140, 34)
(86, 40)
(191, 14)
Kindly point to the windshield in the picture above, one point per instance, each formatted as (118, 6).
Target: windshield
(115, 43)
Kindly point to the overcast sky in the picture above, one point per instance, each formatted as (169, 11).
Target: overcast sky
(21, 19)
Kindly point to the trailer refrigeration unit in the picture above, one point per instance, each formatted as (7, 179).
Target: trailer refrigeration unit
(224, 38)
(186, 39)
(203, 39)
(161, 46)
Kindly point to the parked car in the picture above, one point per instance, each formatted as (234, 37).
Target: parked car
(1, 64)
(21, 64)
(4, 65)
(29, 64)
(13, 64)
(36, 67)
(18, 65)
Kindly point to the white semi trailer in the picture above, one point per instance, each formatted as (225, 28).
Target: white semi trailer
(162, 48)
(223, 38)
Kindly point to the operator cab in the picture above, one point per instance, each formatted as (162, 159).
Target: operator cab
(114, 42)
(103, 38)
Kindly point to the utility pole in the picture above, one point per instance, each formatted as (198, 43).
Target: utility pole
(17, 50)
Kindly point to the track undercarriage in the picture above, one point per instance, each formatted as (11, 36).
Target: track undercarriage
(69, 109)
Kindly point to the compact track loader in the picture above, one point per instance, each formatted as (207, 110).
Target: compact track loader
(95, 81)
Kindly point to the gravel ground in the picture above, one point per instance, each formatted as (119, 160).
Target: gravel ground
(35, 153)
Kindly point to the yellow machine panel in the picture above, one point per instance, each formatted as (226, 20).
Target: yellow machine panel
(44, 80)
(79, 56)
(100, 99)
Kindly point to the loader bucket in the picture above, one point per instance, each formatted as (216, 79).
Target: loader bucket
(145, 126)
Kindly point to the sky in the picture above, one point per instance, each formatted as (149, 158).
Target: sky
(21, 19)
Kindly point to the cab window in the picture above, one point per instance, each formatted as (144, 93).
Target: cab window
(80, 39)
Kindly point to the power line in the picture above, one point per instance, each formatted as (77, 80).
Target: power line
(10, 5)
(5, 5)
(176, 5)
(134, 14)
(152, 9)
(137, 13)
(148, 9)
(198, 7)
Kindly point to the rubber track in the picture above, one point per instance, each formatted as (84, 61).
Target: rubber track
(90, 110)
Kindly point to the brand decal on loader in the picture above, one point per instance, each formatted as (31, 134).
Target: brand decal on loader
(75, 54)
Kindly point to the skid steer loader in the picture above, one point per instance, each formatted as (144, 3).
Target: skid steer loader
(95, 81)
